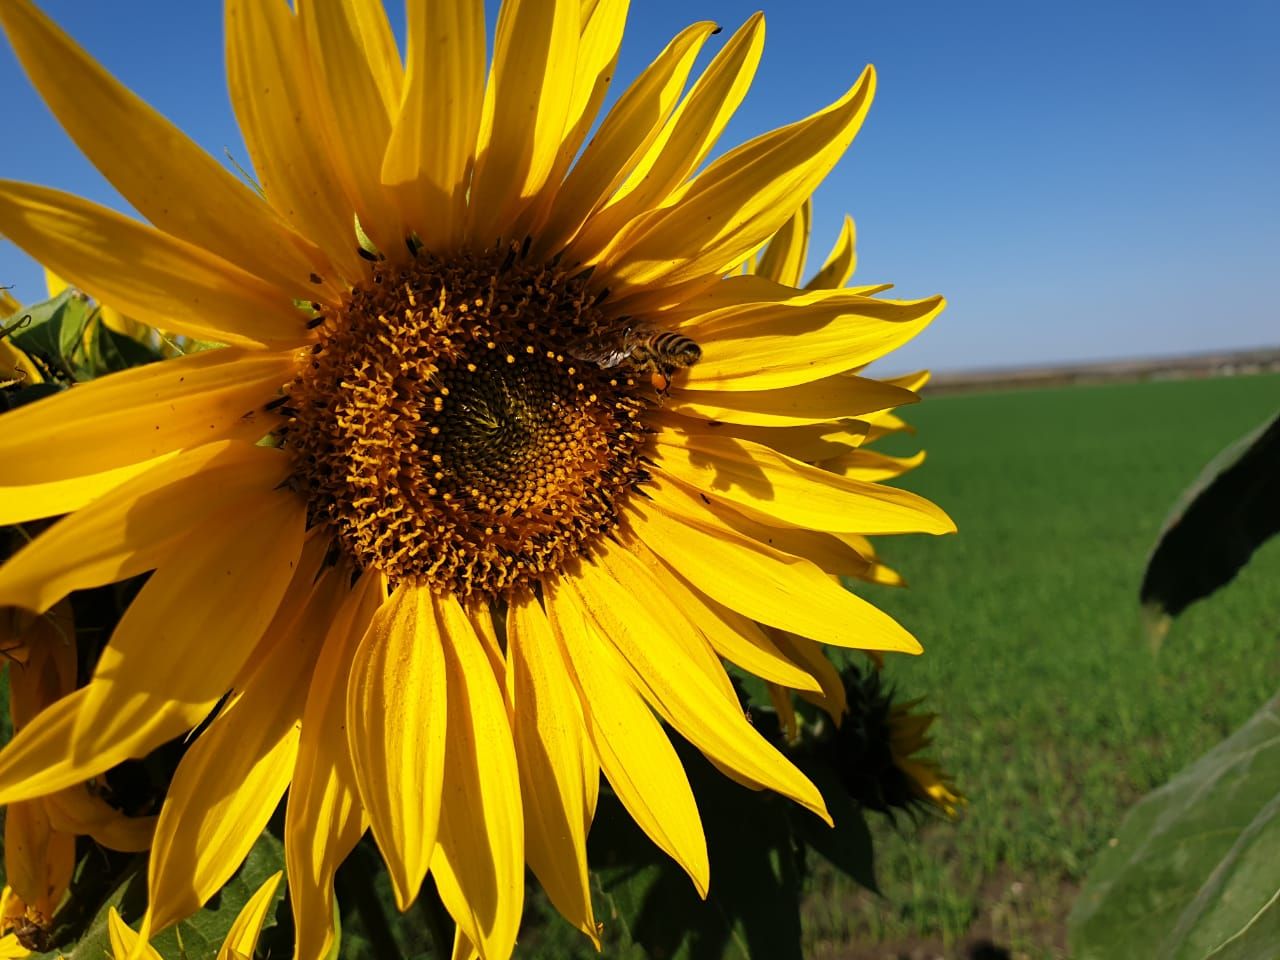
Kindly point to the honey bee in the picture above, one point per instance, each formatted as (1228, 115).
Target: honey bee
(658, 353)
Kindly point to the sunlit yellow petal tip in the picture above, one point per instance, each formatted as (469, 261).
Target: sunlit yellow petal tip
(242, 938)
(125, 943)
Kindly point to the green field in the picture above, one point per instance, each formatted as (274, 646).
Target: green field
(1056, 713)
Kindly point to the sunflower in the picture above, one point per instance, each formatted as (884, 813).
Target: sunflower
(908, 736)
(497, 466)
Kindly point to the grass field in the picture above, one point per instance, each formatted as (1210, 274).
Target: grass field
(1056, 714)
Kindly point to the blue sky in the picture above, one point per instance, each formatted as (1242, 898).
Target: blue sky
(1083, 181)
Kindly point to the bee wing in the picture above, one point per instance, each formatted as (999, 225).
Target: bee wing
(602, 355)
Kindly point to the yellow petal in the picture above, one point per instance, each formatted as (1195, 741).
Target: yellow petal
(730, 634)
(396, 715)
(625, 134)
(129, 142)
(780, 697)
(49, 671)
(242, 938)
(38, 860)
(633, 750)
(150, 275)
(132, 528)
(217, 601)
(817, 401)
(479, 863)
(883, 424)
(613, 589)
(352, 55)
(758, 581)
(764, 346)
(684, 141)
(809, 655)
(146, 411)
(739, 290)
(8, 305)
(481, 615)
(15, 365)
(324, 820)
(870, 289)
(431, 149)
(834, 554)
(783, 259)
(53, 283)
(275, 102)
(526, 106)
(809, 443)
(602, 23)
(740, 200)
(114, 320)
(556, 762)
(769, 485)
(77, 811)
(840, 262)
(871, 466)
(911, 381)
(31, 501)
(230, 781)
(125, 943)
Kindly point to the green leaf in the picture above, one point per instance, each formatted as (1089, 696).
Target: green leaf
(1258, 939)
(53, 331)
(1193, 872)
(196, 938)
(1230, 510)
(114, 351)
(200, 936)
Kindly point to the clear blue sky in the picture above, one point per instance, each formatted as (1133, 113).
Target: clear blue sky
(1085, 180)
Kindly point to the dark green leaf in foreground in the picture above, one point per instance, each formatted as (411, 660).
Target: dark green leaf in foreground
(1195, 870)
(1231, 509)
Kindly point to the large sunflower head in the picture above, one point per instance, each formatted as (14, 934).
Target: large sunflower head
(502, 458)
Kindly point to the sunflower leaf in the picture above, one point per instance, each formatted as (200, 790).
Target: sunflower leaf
(1193, 873)
(53, 332)
(199, 937)
(1218, 522)
(104, 881)
(115, 351)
